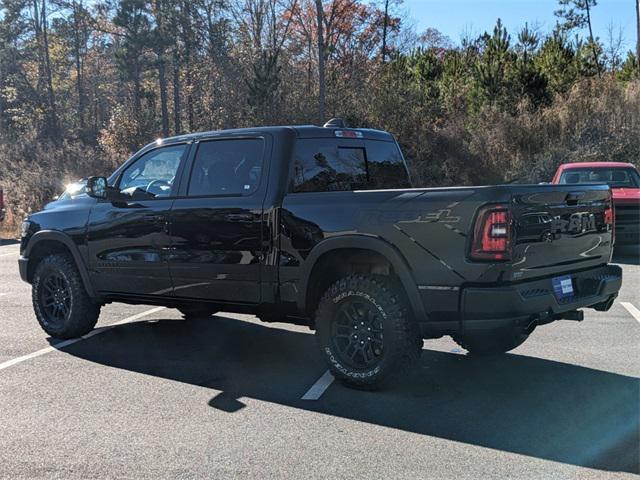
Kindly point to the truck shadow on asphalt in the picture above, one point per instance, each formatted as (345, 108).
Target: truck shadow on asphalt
(529, 406)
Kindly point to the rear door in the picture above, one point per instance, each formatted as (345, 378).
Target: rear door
(216, 225)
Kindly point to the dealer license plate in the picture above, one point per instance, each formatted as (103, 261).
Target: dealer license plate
(563, 287)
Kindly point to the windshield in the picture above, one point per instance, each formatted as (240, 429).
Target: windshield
(614, 177)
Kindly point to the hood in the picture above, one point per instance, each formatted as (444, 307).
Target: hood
(626, 195)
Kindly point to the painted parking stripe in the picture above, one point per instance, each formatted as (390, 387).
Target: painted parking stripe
(3, 294)
(7, 254)
(632, 310)
(318, 388)
(66, 343)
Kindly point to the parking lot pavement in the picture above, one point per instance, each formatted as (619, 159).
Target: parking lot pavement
(161, 397)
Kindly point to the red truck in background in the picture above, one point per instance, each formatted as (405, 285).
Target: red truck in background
(624, 180)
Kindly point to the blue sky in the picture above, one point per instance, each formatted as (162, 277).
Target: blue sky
(453, 17)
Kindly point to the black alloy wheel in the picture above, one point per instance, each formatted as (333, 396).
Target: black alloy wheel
(55, 300)
(357, 334)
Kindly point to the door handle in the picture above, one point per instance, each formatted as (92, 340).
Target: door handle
(573, 198)
(238, 217)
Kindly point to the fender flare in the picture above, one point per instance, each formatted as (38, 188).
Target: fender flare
(60, 237)
(366, 242)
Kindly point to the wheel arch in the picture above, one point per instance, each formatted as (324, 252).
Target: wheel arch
(46, 242)
(379, 248)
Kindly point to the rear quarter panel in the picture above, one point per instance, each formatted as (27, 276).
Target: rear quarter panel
(429, 228)
(432, 230)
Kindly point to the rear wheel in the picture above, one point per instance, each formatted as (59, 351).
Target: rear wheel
(366, 332)
(62, 306)
(493, 342)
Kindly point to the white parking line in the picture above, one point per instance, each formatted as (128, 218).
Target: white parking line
(632, 310)
(3, 294)
(318, 388)
(66, 343)
(7, 254)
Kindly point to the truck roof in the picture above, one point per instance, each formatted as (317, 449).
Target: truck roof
(300, 131)
(566, 166)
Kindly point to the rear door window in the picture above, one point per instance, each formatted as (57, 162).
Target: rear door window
(227, 167)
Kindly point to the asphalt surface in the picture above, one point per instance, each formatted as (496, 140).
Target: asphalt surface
(161, 397)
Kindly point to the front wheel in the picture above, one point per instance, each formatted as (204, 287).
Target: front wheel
(62, 306)
(366, 332)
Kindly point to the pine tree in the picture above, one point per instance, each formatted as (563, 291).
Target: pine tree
(577, 15)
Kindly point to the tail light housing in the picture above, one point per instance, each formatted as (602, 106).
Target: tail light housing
(492, 234)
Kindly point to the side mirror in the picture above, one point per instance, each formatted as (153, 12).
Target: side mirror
(97, 187)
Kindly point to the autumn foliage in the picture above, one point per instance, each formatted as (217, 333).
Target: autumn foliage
(84, 84)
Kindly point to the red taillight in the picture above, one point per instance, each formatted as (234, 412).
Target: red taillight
(610, 219)
(608, 216)
(492, 235)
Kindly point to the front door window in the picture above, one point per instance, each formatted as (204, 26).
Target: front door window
(153, 175)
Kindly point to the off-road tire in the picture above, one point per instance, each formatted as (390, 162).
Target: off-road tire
(402, 343)
(194, 312)
(82, 312)
(494, 342)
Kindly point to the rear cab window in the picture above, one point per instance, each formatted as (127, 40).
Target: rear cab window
(615, 177)
(387, 169)
(336, 164)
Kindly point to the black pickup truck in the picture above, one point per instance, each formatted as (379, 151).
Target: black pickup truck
(320, 226)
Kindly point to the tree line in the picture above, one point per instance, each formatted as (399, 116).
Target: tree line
(83, 84)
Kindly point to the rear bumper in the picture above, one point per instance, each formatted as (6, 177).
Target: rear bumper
(535, 301)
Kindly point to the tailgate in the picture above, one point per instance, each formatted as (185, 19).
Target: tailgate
(560, 228)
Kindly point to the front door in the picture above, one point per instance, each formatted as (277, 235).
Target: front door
(216, 226)
(128, 240)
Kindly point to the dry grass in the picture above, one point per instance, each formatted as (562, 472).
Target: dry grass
(32, 173)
